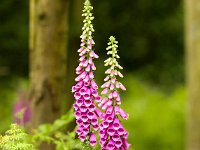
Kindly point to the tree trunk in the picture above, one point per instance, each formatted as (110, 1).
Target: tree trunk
(192, 21)
(48, 43)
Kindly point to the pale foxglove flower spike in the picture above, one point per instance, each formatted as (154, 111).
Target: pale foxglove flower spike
(113, 135)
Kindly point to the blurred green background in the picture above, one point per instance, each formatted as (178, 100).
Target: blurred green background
(151, 46)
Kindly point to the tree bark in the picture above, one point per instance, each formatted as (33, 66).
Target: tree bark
(192, 22)
(48, 43)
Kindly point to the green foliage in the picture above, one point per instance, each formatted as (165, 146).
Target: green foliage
(15, 139)
(156, 118)
(55, 134)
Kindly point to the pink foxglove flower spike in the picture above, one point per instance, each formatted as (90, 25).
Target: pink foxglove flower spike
(85, 91)
(113, 135)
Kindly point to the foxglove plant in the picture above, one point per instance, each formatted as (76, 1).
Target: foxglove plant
(22, 112)
(113, 135)
(85, 91)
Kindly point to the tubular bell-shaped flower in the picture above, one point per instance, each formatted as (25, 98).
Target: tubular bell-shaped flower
(85, 91)
(113, 135)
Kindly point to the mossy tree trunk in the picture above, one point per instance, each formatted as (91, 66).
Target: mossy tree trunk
(48, 43)
(192, 21)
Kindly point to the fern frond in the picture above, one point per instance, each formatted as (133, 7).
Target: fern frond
(15, 139)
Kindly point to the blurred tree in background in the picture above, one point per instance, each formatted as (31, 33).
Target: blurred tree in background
(192, 22)
(48, 46)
